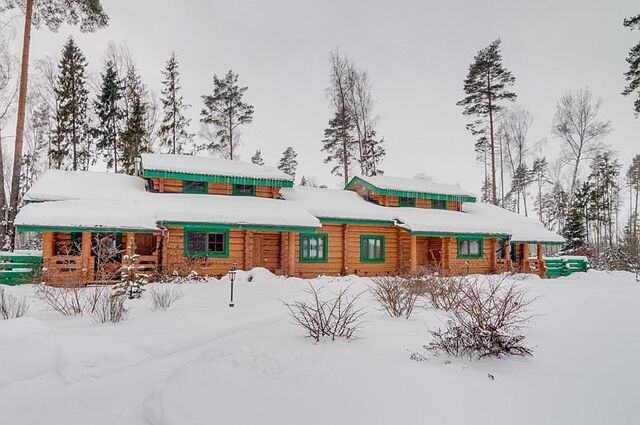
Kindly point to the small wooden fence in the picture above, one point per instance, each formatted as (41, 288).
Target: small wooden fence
(564, 266)
(17, 268)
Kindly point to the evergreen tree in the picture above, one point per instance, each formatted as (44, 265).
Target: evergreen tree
(633, 181)
(555, 206)
(110, 115)
(604, 200)
(226, 112)
(173, 133)
(73, 97)
(539, 172)
(289, 163)
(575, 230)
(257, 158)
(632, 76)
(339, 144)
(134, 134)
(486, 87)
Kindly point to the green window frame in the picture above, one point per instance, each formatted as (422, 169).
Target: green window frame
(190, 186)
(406, 201)
(372, 249)
(244, 189)
(468, 246)
(214, 243)
(438, 204)
(314, 248)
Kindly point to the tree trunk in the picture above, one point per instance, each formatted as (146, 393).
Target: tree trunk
(22, 106)
(3, 199)
(493, 146)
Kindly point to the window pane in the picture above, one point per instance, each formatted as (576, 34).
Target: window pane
(464, 248)
(438, 204)
(378, 252)
(313, 248)
(474, 247)
(320, 248)
(196, 241)
(305, 247)
(245, 189)
(195, 186)
(216, 242)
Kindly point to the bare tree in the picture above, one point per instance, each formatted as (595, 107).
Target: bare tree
(577, 125)
(514, 128)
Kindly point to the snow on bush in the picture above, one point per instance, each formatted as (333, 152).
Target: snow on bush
(337, 316)
(11, 307)
(442, 292)
(396, 294)
(487, 322)
(162, 298)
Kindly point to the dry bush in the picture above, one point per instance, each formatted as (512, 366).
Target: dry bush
(109, 307)
(163, 298)
(487, 322)
(11, 307)
(442, 292)
(68, 301)
(396, 294)
(186, 271)
(338, 316)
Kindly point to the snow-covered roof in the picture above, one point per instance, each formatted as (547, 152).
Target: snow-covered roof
(150, 208)
(207, 166)
(57, 185)
(337, 204)
(115, 201)
(521, 229)
(401, 184)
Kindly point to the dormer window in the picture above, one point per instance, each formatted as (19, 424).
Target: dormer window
(406, 201)
(439, 204)
(244, 190)
(194, 187)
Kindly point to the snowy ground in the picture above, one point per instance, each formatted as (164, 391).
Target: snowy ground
(202, 362)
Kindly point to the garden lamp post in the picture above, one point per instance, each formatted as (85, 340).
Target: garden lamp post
(232, 277)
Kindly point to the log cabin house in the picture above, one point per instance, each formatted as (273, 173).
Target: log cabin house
(201, 214)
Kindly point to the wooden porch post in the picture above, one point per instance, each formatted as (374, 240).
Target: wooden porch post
(87, 264)
(345, 251)
(131, 244)
(446, 252)
(47, 254)
(248, 252)
(292, 254)
(413, 266)
(540, 258)
(507, 254)
(526, 266)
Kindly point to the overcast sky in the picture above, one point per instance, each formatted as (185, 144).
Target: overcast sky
(416, 53)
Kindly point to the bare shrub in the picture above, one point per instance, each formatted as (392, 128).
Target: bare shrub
(11, 307)
(338, 316)
(163, 298)
(487, 322)
(442, 292)
(68, 301)
(109, 307)
(396, 294)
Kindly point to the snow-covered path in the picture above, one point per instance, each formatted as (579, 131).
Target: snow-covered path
(202, 362)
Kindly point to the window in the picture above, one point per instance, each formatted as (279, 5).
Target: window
(470, 248)
(438, 204)
(407, 202)
(371, 249)
(313, 248)
(194, 187)
(244, 190)
(206, 244)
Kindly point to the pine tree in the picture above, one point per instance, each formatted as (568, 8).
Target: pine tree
(110, 115)
(604, 192)
(633, 181)
(632, 76)
(339, 144)
(72, 96)
(486, 87)
(257, 158)
(134, 134)
(226, 112)
(289, 163)
(574, 231)
(539, 172)
(173, 133)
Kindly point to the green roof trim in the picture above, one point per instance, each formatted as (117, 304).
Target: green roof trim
(538, 242)
(155, 174)
(61, 229)
(385, 223)
(256, 227)
(409, 194)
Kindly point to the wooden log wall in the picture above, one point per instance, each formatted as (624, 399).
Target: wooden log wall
(335, 262)
(175, 186)
(456, 266)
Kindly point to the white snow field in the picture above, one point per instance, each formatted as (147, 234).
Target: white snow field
(201, 362)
